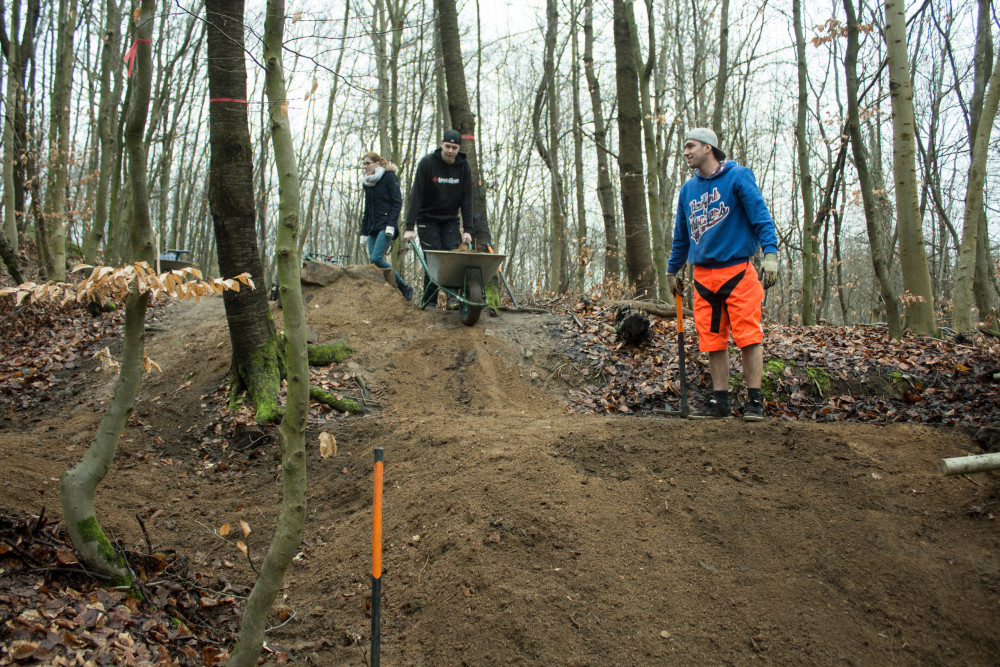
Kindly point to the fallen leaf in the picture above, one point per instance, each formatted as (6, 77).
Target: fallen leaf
(327, 445)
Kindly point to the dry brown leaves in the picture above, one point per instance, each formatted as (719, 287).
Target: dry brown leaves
(52, 612)
(815, 373)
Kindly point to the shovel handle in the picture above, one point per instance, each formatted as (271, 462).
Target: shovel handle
(679, 301)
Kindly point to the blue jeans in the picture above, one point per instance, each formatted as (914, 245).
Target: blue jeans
(378, 245)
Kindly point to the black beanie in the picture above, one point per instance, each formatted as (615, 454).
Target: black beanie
(452, 137)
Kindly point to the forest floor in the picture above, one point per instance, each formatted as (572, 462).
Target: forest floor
(520, 525)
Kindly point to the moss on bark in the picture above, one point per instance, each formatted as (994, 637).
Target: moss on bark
(342, 404)
(324, 355)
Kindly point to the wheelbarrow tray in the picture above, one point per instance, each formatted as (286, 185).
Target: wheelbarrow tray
(447, 267)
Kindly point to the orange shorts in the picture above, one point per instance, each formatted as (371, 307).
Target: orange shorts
(727, 299)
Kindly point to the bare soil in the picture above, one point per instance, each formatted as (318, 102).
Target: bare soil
(518, 533)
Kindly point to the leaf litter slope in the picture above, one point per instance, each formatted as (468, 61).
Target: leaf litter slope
(517, 531)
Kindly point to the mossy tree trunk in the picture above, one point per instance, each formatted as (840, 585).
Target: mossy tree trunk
(256, 364)
(288, 531)
(78, 484)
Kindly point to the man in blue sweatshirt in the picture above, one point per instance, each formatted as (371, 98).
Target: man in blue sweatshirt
(442, 186)
(721, 222)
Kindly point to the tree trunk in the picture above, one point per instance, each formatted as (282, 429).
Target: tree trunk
(638, 263)
(546, 95)
(55, 193)
(288, 531)
(105, 117)
(461, 114)
(919, 299)
(873, 218)
(19, 56)
(256, 363)
(9, 256)
(78, 484)
(965, 272)
(660, 255)
(721, 76)
(605, 189)
(583, 251)
(809, 228)
(9, 153)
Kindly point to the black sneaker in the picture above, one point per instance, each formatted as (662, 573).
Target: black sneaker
(753, 411)
(712, 410)
(407, 292)
(452, 303)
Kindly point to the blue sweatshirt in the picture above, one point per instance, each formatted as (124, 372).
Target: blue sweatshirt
(725, 216)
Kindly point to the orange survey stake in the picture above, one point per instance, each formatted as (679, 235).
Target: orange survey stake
(376, 637)
(377, 523)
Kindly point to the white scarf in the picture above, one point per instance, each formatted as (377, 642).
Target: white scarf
(370, 180)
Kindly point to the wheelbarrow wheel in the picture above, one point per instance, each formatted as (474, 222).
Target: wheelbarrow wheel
(473, 292)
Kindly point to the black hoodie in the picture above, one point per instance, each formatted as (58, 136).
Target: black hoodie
(440, 191)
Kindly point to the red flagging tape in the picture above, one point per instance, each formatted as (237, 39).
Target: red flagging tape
(131, 53)
(468, 136)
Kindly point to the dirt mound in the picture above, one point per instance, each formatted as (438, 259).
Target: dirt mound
(518, 533)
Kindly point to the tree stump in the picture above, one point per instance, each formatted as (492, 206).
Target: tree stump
(633, 327)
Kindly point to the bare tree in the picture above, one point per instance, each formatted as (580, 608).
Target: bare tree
(809, 231)
(461, 114)
(637, 257)
(288, 530)
(872, 215)
(256, 363)
(605, 188)
(919, 299)
(546, 96)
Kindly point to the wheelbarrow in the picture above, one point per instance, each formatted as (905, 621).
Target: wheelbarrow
(462, 275)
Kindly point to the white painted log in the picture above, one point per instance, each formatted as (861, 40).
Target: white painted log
(962, 465)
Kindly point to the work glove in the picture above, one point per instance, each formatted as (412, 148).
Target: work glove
(409, 234)
(390, 232)
(769, 270)
(364, 241)
(466, 237)
(675, 284)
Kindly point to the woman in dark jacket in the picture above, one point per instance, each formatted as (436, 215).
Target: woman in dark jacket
(380, 220)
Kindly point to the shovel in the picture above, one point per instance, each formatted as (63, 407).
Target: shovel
(681, 363)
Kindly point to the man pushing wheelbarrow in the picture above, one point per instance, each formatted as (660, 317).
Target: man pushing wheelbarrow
(442, 187)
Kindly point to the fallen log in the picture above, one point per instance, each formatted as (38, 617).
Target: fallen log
(963, 465)
(646, 306)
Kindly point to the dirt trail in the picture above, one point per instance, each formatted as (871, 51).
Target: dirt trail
(517, 533)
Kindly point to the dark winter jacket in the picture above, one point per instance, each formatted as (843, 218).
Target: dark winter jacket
(383, 202)
(440, 191)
